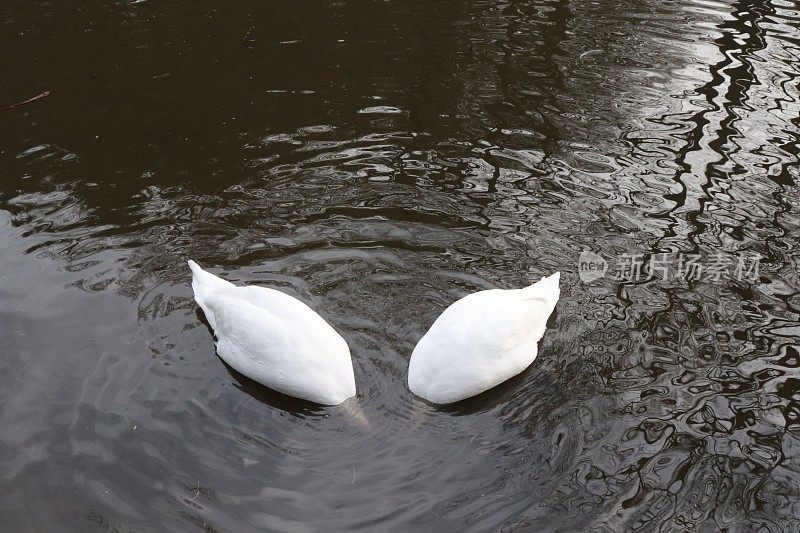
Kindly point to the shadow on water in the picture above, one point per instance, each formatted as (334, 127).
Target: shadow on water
(271, 398)
(493, 397)
(379, 160)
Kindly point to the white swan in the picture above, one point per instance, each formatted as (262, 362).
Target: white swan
(275, 339)
(480, 341)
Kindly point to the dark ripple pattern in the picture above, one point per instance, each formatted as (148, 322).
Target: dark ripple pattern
(379, 160)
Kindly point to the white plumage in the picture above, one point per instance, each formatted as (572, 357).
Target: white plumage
(480, 341)
(275, 339)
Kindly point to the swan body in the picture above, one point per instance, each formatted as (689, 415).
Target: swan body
(275, 339)
(480, 341)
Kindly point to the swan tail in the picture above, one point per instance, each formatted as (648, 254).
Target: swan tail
(204, 283)
(545, 289)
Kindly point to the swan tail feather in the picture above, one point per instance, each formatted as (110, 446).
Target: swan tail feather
(204, 283)
(545, 289)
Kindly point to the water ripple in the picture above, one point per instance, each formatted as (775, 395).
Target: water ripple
(378, 161)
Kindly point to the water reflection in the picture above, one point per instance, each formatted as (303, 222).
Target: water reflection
(379, 160)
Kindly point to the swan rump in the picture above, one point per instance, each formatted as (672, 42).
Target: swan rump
(480, 341)
(275, 339)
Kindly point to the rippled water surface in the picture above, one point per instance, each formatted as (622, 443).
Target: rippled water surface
(378, 160)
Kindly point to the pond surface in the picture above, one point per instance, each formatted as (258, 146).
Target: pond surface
(379, 160)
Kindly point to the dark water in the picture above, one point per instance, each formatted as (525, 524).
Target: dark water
(379, 159)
